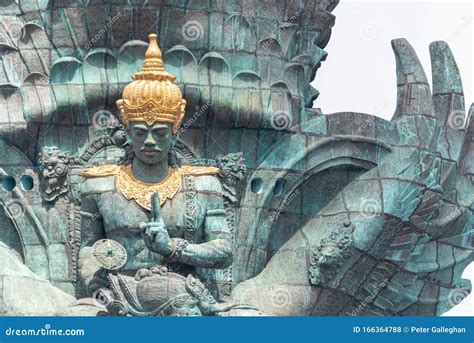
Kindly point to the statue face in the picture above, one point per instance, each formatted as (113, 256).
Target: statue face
(150, 143)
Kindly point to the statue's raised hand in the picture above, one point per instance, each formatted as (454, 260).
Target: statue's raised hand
(154, 233)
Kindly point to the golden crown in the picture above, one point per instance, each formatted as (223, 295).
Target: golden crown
(152, 96)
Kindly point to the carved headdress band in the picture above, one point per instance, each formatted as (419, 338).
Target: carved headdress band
(152, 96)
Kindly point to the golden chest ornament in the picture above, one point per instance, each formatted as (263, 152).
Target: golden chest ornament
(140, 191)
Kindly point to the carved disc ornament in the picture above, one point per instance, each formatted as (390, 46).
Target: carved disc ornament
(109, 254)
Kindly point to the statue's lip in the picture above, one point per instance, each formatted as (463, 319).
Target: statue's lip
(150, 152)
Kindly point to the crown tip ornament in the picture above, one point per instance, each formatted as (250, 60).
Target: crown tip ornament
(153, 66)
(152, 96)
(153, 50)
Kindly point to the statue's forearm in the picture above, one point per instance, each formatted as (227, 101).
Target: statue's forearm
(213, 254)
(87, 265)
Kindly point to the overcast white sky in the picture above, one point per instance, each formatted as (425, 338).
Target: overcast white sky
(359, 73)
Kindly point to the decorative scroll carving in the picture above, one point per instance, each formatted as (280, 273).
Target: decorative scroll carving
(190, 207)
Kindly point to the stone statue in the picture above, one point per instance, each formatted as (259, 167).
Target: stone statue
(221, 190)
(190, 231)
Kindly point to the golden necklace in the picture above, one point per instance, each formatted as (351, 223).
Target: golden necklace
(140, 191)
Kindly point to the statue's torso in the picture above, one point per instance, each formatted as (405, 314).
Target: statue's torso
(183, 215)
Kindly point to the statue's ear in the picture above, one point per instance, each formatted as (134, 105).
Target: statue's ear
(174, 135)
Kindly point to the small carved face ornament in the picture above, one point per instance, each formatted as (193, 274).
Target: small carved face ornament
(232, 165)
(329, 254)
(55, 169)
(150, 143)
(53, 166)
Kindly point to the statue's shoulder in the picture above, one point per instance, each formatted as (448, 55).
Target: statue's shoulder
(99, 179)
(100, 171)
(205, 177)
(199, 170)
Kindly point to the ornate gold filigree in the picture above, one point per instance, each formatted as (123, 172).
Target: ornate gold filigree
(100, 171)
(151, 112)
(152, 96)
(139, 191)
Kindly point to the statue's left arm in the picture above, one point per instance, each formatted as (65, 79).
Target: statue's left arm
(212, 250)
(216, 249)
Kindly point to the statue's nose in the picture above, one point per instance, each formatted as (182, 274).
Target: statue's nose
(149, 140)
